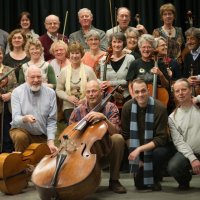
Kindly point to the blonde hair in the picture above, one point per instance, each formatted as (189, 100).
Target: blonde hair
(76, 46)
(34, 42)
(56, 44)
(167, 7)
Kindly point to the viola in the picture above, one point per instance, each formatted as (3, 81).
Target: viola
(16, 167)
(75, 171)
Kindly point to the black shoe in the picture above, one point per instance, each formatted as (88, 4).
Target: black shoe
(157, 186)
(184, 187)
(116, 187)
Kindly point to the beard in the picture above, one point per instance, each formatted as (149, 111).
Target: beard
(35, 88)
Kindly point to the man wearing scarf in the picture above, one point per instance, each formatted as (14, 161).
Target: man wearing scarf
(144, 127)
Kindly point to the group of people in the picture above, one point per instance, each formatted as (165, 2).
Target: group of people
(72, 76)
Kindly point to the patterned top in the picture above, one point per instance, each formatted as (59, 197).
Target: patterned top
(110, 111)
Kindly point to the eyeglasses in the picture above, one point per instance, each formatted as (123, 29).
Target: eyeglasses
(148, 47)
(52, 23)
(91, 91)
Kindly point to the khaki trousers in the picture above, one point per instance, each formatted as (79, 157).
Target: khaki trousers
(22, 139)
(115, 156)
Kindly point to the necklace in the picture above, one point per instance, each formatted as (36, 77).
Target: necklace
(75, 83)
(169, 32)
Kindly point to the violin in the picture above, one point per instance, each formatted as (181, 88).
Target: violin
(75, 172)
(16, 167)
(118, 98)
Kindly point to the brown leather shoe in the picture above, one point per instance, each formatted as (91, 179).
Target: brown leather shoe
(116, 187)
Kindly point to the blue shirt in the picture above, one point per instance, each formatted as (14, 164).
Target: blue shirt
(42, 105)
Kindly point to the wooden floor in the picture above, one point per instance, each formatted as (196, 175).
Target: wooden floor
(169, 191)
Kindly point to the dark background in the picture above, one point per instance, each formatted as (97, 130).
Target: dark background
(39, 9)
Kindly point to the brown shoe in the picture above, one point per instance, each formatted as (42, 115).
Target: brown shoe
(116, 187)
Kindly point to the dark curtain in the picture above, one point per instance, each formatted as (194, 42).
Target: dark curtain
(39, 9)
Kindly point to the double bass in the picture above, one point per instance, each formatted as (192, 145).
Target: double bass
(75, 171)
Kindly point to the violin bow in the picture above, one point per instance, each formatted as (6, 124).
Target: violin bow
(66, 15)
(116, 18)
(111, 17)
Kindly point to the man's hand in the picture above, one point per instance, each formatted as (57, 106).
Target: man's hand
(29, 119)
(196, 166)
(93, 116)
(134, 154)
(52, 146)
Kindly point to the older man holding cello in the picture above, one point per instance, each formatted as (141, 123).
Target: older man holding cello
(110, 115)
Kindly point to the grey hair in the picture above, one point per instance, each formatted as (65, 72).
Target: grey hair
(92, 33)
(149, 38)
(157, 39)
(85, 10)
(193, 32)
(30, 68)
(132, 30)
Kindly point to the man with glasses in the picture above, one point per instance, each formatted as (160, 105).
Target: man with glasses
(123, 19)
(110, 115)
(33, 112)
(52, 25)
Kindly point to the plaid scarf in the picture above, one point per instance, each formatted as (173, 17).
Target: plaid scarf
(134, 140)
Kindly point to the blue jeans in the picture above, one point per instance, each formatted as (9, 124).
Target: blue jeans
(179, 167)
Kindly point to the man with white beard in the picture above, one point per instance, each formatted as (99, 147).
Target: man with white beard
(33, 112)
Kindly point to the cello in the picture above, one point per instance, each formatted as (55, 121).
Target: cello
(75, 171)
(156, 91)
(16, 167)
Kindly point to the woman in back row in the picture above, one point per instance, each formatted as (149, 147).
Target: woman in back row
(34, 51)
(172, 34)
(17, 55)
